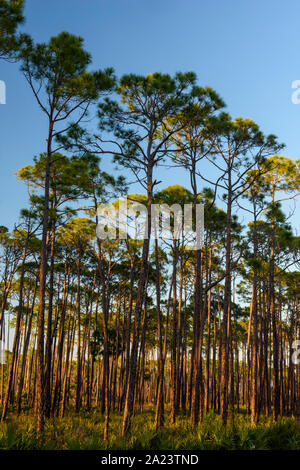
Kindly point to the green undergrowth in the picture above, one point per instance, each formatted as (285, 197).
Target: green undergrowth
(85, 431)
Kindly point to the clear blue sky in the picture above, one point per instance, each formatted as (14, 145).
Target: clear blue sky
(248, 50)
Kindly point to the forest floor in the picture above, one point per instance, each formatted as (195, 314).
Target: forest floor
(85, 431)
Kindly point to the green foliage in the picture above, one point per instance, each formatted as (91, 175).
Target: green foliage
(62, 64)
(11, 16)
(85, 431)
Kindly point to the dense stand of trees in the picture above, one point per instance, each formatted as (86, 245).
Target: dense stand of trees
(122, 324)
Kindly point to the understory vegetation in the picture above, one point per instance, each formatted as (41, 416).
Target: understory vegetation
(85, 431)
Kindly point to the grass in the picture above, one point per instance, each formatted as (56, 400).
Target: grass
(85, 431)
